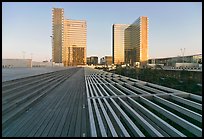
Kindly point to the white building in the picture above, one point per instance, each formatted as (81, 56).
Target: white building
(11, 63)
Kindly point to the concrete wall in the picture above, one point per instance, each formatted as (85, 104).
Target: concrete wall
(11, 63)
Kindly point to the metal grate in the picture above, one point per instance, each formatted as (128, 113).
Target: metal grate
(121, 107)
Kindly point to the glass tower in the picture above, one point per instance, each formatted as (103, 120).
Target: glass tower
(69, 39)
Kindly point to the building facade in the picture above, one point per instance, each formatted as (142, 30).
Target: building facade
(171, 61)
(69, 39)
(119, 43)
(74, 42)
(140, 41)
(106, 60)
(131, 42)
(88, 60)
(16, 63)
(57, 34)
(92, 60)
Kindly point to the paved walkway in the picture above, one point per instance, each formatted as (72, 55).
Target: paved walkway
(15, 73)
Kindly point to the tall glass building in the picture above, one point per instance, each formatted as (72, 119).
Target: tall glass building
(57, 34)
(74, 42)
(69, 39)
(140, 30)
(131, 42)
(119, 43)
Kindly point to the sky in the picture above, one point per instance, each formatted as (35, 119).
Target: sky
(27, 26)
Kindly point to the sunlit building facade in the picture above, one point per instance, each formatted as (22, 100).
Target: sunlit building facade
(140, 39)
(130, 42)
(106, 60)
(119, 43)
(74, 42)
(57, 34)
(69, 39)
(129, 56)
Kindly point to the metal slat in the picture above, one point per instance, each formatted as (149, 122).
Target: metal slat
(114, 115)
(196, 97)
(101, 125)
(126, 90)
(199, 98)
(121, 80)
(136, 89)
(138, 81)
(159, 121)
(143, 85)
(185, 124)
(131, 125)
(148, 127)
(156, 91)
(166, 88)
(128, 121)
(127, 81)
(164, 125)
(180, 109)
(113, 132)
(186, 102)
(142, 121)
(174, 95)
(91, 119)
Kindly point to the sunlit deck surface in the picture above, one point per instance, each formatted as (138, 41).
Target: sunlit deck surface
(84, 102)
(15, 73)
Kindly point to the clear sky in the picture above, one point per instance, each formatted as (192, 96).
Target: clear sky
(27, 26)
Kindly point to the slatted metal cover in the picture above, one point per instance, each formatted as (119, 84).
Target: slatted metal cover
(122, 107)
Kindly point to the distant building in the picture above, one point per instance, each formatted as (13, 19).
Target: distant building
(92, 60)
(106, 60)
(16, 63)
(131, 42)
(46, 64)
(69, 39)
(171, 61)
(88, 60)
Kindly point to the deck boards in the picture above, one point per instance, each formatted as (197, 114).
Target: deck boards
(57, 114)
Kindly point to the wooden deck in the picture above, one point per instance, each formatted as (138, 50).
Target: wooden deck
(61, 112)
